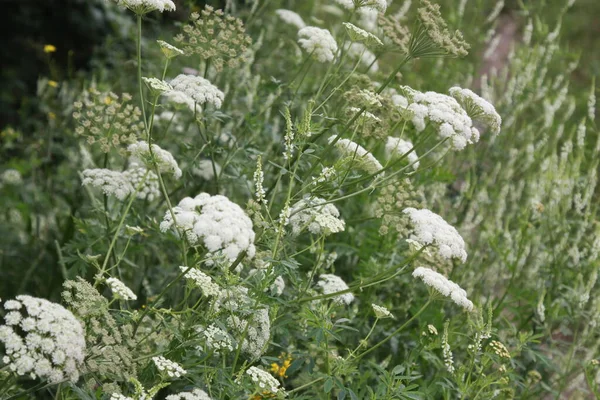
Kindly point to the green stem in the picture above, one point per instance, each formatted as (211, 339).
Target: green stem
(139, 65)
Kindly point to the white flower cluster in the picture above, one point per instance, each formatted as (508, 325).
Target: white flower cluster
(141, 154)
(146, 6)
(204, 169)
(381, 312)
(263, 379)
(117, 396)
(445, 113)
(11, 177)
(478, 108)
(42, 339)
(215, 338)
(169, 50)
(219, 223)
(360, 35)
(396, 147)
(196, 394)
(317, 215)
(168, 367)
(120, 291)
(291, 18)
(156, 85)
(258, 331)
(330, 283)
(122, 184)
(366, 57)
(445, 286)
(180, 98)
(199, 89)
(201, 281)
(431, 228)
(318, 42)
(353, 150)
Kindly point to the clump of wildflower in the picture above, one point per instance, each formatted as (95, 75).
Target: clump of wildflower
(381, 312)
(169, 50)
(318, 42)
(445, 113)
(430, 228)
(259, 179)
(199, 89)
(143, 180)
(500, 349)
(169, 368)
(396, 147)
(112, 183)
(220, 224)
(392, 199)
(436, 40)
(180, 99)
(263, 380)
(11, 177)
(206, 169)
(280, 369)
(42, 339)
(394, 31)
(446, 351)
(202, 281)
(120, 291)
(213, 35)
(106, 119)
(256, 327)
(196, 394)
(330, 283)
(143, 154)
(478, 108)
(215, 338)
(316, 215)
(145, 6)
(360, 52)
(364, 159)
(359, 35)
(291, 18)
(444, 286)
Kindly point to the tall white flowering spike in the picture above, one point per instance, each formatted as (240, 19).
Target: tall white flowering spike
(259, 180)
(291, 18)
(199, 89)
(355, 151)
(313, 214)
(430, 228)
(145, 6)
(263, 380)
(478, 108)
(396, 147)
(318, 42)
(444, 113)
(196, 394)
(201, 281)
(42, 340)
(120, 291)
(444, 286)
(112, 183)
(168, 368)
(218, 223)
(141, 154)
(330, 283)
(215, 338)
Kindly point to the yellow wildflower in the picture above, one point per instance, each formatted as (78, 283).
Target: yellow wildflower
(53, 83)
(280, 370)
(51, 115)
(49, 48)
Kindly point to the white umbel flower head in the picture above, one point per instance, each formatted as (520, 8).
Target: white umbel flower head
(381, 312)
(168, 368)
(120, 291)
(42, 339)
(205, 169)
(196, 394)
(11, 177)
(361, 36)
(318, 42)
(169, 50)
(353, 150)
(291, 18)
(202, 281)
(216, 339)
(157, 86)
(199, 89)
(330, 283)
(145, 6)
(430, 228)
(478, 108)
(218, 223)
(140, 154)
(366, 57)
(396, 147)
(264, 380)
(444, 286)
(313, 213)
(375, 5)
(112, 183)
(147, 189)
